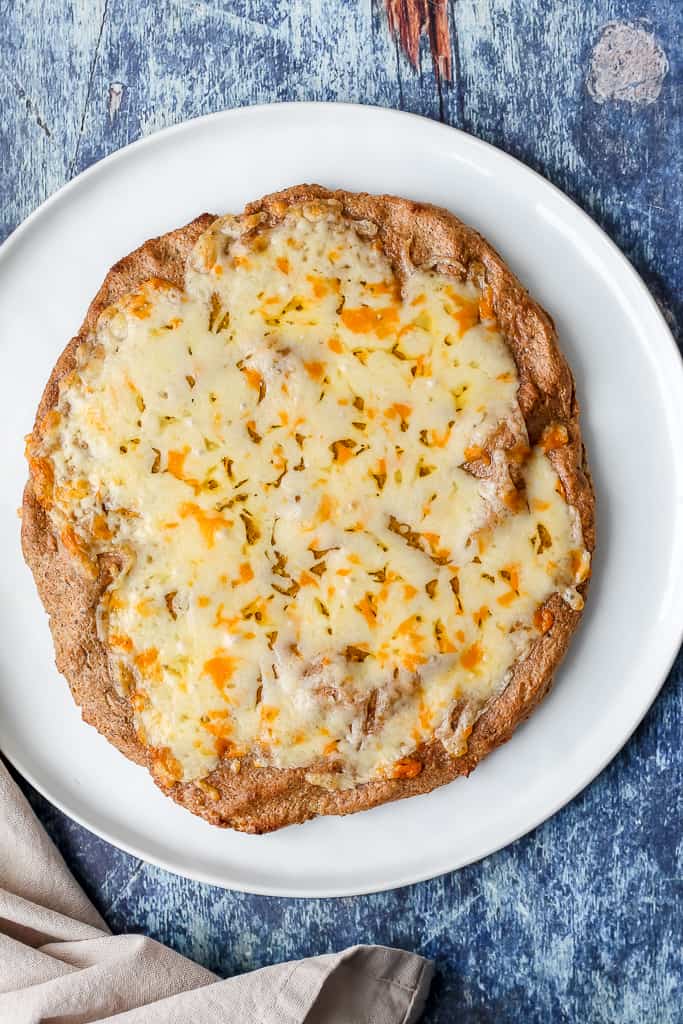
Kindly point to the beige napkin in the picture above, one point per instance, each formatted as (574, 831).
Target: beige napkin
(59, 963)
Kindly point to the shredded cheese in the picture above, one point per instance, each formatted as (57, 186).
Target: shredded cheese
(324, 555)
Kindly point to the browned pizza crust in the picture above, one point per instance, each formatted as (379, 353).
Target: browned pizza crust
(263, 799)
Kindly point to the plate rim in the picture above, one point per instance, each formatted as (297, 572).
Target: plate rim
(662, 661)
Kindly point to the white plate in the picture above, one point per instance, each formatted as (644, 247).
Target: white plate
(631, 388)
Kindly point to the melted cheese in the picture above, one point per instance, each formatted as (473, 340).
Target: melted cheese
(283, 458)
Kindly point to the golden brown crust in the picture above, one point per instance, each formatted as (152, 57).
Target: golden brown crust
(263, 799)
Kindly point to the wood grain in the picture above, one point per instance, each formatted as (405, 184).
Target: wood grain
(581, 919)
(410, 19)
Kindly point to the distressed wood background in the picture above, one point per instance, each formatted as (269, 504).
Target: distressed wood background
(581, 920)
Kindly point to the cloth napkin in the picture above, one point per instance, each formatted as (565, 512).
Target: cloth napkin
(60, 964)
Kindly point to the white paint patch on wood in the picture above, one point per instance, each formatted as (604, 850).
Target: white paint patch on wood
(627, 65)
(115, 96)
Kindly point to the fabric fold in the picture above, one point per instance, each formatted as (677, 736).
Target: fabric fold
(60, 963)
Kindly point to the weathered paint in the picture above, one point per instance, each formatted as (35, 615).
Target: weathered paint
(627, 65)
(581, 919)
(410, 19)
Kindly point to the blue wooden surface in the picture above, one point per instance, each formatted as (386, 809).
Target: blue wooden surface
(581, 920)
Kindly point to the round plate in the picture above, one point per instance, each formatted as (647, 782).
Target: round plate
(630, 385)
